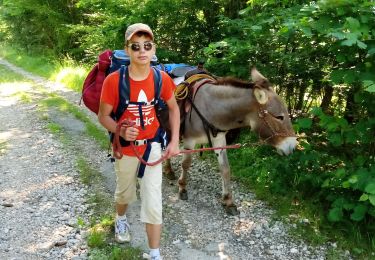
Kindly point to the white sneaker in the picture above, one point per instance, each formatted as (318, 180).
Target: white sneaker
(148, 257)
(122, 231)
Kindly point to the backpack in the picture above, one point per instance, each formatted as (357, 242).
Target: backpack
(92, 86)
(108, 62)
(176, 70)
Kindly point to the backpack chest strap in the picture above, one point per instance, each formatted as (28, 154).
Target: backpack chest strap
(152, 103)
(140, 111)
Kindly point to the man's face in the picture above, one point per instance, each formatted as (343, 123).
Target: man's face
(140, 49)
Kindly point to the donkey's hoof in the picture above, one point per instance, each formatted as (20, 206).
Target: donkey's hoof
(231, 210)
(183, 195)
(170, 176)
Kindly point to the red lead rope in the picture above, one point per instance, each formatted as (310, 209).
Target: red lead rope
(117, 149)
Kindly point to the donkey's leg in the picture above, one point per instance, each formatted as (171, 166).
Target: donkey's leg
(227, 199)
(168, 171)
(185, 165)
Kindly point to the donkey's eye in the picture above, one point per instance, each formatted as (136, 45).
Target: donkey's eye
(281, 118)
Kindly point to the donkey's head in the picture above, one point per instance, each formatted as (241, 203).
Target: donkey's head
(271, 120)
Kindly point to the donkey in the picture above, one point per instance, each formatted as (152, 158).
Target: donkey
(225, 104)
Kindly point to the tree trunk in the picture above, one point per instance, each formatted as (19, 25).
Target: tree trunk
(351, 109)
(233, 7)
(301, 98)
(327, 98)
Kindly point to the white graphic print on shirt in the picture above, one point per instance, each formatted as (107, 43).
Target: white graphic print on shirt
(146, 110)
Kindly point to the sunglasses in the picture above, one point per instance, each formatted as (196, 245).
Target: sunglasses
(147, 46)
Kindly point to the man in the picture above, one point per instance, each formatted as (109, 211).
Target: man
(140, 46)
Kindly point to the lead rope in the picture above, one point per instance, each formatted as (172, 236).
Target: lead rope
(117, 152)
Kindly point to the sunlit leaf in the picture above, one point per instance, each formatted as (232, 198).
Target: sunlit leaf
(371, 51)
(372, 199)
(349, 42)
(369, 85)
(370, 188)
(364, 197)
(353, 179)
(338, 35)
(361, 44)
(307, 31)
(326, 183)
(346, 184)
(353, 23)
(256, 27)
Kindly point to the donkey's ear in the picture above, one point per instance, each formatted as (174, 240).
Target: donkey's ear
(259, 79)
(261, 96)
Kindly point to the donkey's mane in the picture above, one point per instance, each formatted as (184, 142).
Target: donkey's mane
(230, 81)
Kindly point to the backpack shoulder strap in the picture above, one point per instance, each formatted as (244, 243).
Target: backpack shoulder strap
(124, 92)
(157, 83)
(124, 89)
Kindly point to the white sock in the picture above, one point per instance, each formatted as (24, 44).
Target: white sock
(154, 252)
(123, 217)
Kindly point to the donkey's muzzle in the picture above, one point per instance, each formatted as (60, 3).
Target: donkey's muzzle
(287, 146)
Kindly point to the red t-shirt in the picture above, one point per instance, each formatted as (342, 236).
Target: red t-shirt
(140, 91)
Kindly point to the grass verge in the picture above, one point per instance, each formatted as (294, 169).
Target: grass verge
(65, 106)
(65, 71)
(268, 175)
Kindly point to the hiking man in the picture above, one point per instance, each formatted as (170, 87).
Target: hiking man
(140, 46)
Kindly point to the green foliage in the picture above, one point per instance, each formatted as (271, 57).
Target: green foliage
(303, 47)
(319, 54)
(71, 76)
(96, 238)
(338, 181)
(83, 28)
(116, 253)
(37, 24)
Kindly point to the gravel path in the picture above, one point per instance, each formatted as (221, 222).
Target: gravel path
(41, 198)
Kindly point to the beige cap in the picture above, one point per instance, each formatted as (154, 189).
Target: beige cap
(137, 27)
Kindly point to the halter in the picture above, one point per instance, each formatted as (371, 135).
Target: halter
(263, 114)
